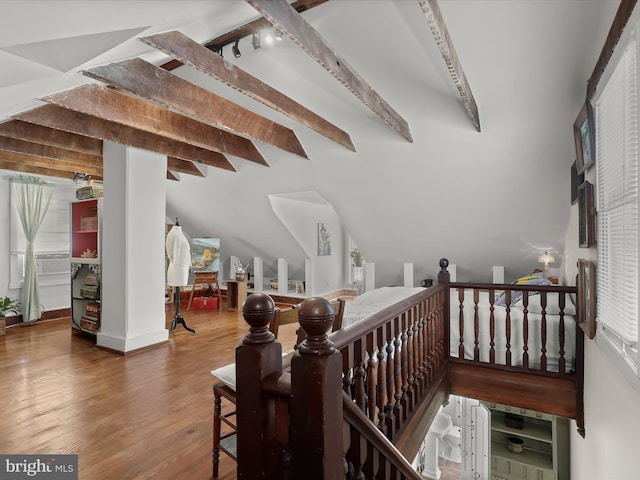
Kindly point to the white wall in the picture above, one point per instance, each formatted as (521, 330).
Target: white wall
(301, 213)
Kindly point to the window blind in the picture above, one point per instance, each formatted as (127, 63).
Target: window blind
(617, 199)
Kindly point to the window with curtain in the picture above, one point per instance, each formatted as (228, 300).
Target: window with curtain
(52, 242)
(616, 110)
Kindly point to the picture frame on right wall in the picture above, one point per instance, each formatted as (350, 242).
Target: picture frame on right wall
(587, 215)
(587, 297)
(584, 138)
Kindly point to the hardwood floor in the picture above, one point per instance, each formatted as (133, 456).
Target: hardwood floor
(139, 416)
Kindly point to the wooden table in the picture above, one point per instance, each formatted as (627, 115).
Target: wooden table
(236, 294)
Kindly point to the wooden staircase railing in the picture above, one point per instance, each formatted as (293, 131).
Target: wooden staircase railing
(358, 402)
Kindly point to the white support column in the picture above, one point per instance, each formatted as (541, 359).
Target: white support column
(258, 274)
(133, 277)
(408, 275)
(369, 276)
(283, 276)
(498, 274)
(308, 277)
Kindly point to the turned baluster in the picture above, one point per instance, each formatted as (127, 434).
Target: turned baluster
(461, 323)
(411, 390)
(404, 366)
(360, 387)
(381, 390)
(397, 372)
(525, 330)
(476, 325)
(561, 360)
(492, 327)
(543, 332)
(507, 319)
(372, 377)
(391, 384)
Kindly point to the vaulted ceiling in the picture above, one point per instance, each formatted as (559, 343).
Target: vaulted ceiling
(321, 110)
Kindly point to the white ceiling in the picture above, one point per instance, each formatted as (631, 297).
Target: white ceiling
(498, 197)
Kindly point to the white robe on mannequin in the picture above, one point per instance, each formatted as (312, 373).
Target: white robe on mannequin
(179, 253)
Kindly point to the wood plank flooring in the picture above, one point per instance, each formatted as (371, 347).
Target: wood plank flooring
(139, 416)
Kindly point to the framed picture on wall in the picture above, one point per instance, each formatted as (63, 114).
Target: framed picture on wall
(587, 297)
(584, 138)
(574, 183)
(324, 240)
(587, 216)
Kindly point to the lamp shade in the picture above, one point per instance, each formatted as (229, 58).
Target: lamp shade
(546, 258)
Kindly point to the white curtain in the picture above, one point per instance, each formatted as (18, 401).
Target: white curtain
(33, 196)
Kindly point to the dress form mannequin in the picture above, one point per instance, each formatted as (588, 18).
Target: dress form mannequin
(179, 254)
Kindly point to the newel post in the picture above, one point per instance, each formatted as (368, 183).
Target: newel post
(258, 356)
(443, 278)
(316, 397)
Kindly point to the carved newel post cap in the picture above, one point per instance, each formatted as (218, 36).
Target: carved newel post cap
(316, 318)
(258, 310)
(444, 263)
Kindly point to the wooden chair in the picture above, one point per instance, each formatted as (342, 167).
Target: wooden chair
(223, 442)
(210, 279)
(283, 316)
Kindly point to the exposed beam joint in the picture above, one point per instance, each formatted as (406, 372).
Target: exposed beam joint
(197, 56)
(50, 136)
(106, 103)
(65, 120)
(183, 166)
(291, 23)
(148, 81)
(439, 30)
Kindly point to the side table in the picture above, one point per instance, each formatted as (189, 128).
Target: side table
(236, 294)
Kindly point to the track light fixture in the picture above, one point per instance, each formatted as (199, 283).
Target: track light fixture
(236, 49)
(256, 40)
(277, 34)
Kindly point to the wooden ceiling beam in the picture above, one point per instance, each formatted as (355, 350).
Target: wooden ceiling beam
(439, 30)
(108, 104)
(183, 166)
(145, 80)
(8, 144)
(27, 168)
(49, 163)
(257, 25)
(50, 136)
(75, 122)
(291, 23)
(204, 60)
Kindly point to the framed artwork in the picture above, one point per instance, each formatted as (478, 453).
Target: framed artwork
(205, 254)
(587, 297)
(324, 240)
(574, 183)
(584, 138)
(587, 216)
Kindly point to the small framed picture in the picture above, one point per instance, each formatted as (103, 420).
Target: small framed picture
(587, 216)
(584, 138)
(587, 297)
(574, 183)
(324, 240)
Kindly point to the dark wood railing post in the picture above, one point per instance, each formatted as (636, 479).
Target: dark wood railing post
(444, 278)
(258, 356)
(316, 397)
